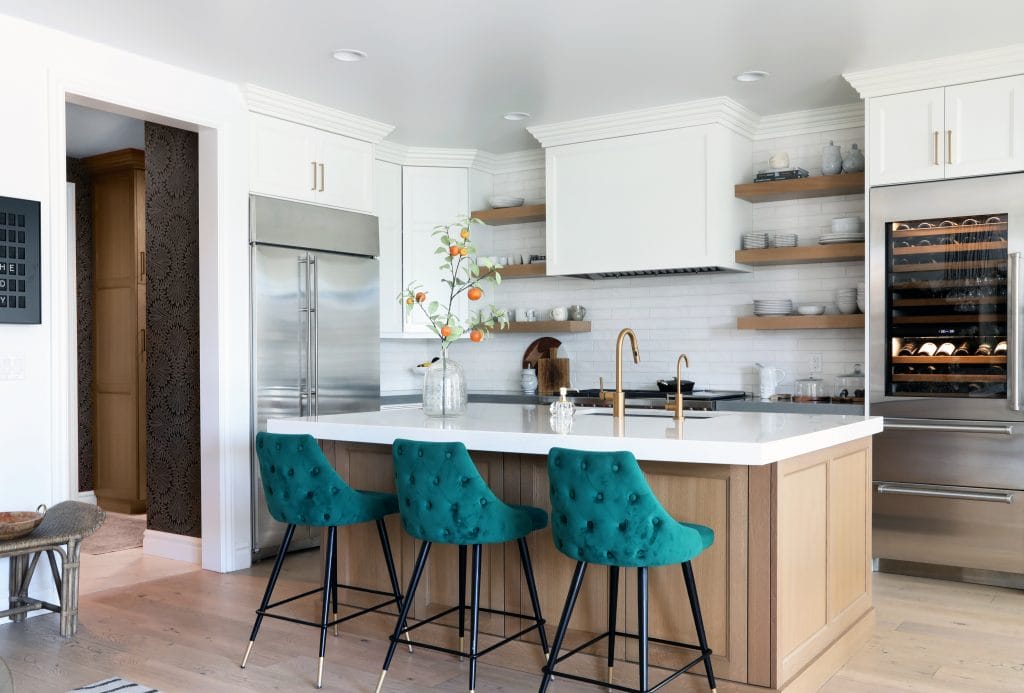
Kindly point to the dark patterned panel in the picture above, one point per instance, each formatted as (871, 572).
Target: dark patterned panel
(83, 266)
(172, 330)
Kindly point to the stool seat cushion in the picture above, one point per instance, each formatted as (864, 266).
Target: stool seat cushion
(603, 511)
(302, 487)
(443, 498)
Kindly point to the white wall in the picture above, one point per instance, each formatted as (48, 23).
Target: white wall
(36, 462)
(691, 314)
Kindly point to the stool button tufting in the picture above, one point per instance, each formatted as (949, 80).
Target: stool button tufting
(615, 467)
(419, 453)
(624, 525)
(278, 447)
(335, 490)
(599, 497)
(270, 490)
(400, 449)
(563, 519)
(590, 524)
(656, 521)
(291, 471)
(584, 465)
(309, 494)
(483, 501)
(447, 532)
(632, 498)
(464, 481)
(572, 493)
(448, 455)
(437, 481)
(327, 516)
(315, 471)
(609, 554)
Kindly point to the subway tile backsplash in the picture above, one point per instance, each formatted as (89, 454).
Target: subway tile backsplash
(670, 314)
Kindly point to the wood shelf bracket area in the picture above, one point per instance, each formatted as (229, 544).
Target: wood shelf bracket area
(801, 188)
(838, 252)
(512, 215)
(533, 269)
(800, 322)
(549, 326)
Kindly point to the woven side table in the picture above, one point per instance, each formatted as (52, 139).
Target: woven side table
(61, 532)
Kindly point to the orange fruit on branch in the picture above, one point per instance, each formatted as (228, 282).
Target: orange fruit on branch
(421, 296)
(446, 331)
(475, 293)
(465, 234)
(410, 300)
(454, 250)
(463, 252)
(476, 336)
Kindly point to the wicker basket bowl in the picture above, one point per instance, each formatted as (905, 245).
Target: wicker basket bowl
(14, 525)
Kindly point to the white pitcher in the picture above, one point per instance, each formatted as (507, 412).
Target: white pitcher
(769, 379)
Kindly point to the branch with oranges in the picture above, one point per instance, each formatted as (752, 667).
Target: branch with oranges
(463, 272)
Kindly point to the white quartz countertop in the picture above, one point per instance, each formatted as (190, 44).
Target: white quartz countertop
(746, 438)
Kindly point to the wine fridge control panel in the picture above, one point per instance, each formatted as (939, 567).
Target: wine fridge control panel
(19, 261)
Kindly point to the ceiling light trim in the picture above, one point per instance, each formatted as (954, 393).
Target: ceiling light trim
(348, 55)
(719, 110)
(812, 120)
(274, 103)
(938, 72)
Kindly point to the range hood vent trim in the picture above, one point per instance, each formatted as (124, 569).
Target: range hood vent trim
(712, 269)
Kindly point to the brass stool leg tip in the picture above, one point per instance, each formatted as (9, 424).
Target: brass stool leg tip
(247, 651)
(408, 639)
(320, 674)
(380, 682)
(462, 646)
(335, 625)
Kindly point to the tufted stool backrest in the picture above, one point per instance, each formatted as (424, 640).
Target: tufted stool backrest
(603, 511)
(443, 498)
(300, 485)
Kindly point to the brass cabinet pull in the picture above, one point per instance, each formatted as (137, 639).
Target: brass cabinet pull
(321, 177)
(313, 164)
(949, 146)
(142, 265)
(142, 340)
(936, 147)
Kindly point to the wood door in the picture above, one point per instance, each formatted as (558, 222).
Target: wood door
(345, 169)
(282, 159)
(906, 141)
(985, 126)
(119, 296)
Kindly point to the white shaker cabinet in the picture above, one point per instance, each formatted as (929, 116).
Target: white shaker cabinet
(949, 132)
(430, 196)
(303, 163)
(907, 140)
(387, 188)
(652, 201)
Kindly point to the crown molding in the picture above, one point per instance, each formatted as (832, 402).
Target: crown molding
(278, 105)
(814, 120)
(939, 72)
(719, 110)
(396, 153)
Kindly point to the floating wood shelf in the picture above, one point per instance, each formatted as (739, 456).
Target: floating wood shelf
(534, 269)
(960, 360)
(949, 230)
(950, 248)
(549, 326)
(799, 188)
(800, 322)
(511, 215)
(937, 266)
(838, 252)
(947, 378)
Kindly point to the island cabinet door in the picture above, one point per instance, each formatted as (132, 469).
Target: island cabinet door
(712, 495)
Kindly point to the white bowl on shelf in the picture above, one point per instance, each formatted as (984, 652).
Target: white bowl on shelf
(847, 224)
(811, 309)
(501, 201)
(419, 370)
(847, 308)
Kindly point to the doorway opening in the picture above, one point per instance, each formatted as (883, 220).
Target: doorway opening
(134, 211)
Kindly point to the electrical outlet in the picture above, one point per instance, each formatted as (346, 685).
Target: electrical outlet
(815, 363)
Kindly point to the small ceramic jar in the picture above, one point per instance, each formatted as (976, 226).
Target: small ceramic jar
(853, 162)
(831, 159)
(528, 381)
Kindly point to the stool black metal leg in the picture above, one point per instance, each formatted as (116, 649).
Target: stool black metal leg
(417, 573)
(385, 545)
(278, 562)
(329, 574)
(462, 599)
(531, 585)
(613, 608)
(334, 581)
(641, 607)
(698, 622)
(563, 624)
(474, 622)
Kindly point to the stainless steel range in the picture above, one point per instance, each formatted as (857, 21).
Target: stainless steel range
(944, 328)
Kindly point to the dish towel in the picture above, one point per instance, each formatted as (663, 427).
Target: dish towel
(115, 684)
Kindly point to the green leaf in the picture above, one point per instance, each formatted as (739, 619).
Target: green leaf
(433, 306)
(497, 279)
(439, 251)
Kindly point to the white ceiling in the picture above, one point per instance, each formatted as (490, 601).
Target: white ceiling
(444, 71)
(92, 132)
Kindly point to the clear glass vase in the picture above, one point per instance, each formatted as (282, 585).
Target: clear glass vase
(444, 388)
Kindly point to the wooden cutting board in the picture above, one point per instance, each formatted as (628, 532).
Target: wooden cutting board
(552, 373)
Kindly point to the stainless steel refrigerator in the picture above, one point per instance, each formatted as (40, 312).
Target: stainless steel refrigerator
(945, 320)
(315, 327)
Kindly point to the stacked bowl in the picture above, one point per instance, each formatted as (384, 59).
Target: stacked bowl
(784, 240)
(773, 306)
(861, 297)
(754, 240)
(846, 300)
(844, 230)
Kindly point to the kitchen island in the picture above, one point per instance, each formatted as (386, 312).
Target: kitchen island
(785, 589)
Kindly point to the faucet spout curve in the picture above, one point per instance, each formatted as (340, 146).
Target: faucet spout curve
(619, 397)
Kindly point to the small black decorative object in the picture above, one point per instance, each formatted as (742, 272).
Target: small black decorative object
(19, 261)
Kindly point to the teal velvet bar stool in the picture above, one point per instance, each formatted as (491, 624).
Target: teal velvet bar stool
(604, 512)
(443, 499)
(303, 489)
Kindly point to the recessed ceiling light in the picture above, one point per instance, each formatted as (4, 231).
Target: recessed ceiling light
(349, 55)
(751, 76)
(516, 115)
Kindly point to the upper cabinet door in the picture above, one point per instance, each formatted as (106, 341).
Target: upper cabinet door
(907, 137)
(985, 126)
(282, 158)
(345, 171)
(387, 186)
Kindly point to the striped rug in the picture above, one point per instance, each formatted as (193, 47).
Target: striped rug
(115, 684)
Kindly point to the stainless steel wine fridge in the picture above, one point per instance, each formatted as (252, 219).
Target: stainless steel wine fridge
(945, 317)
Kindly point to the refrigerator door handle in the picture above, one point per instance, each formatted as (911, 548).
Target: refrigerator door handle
(919, 490)
(314, 353)
(307, 309)
(1013, 323)
(950, 428)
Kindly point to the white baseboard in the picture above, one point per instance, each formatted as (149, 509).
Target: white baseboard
(174, 546)
(87, 497)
